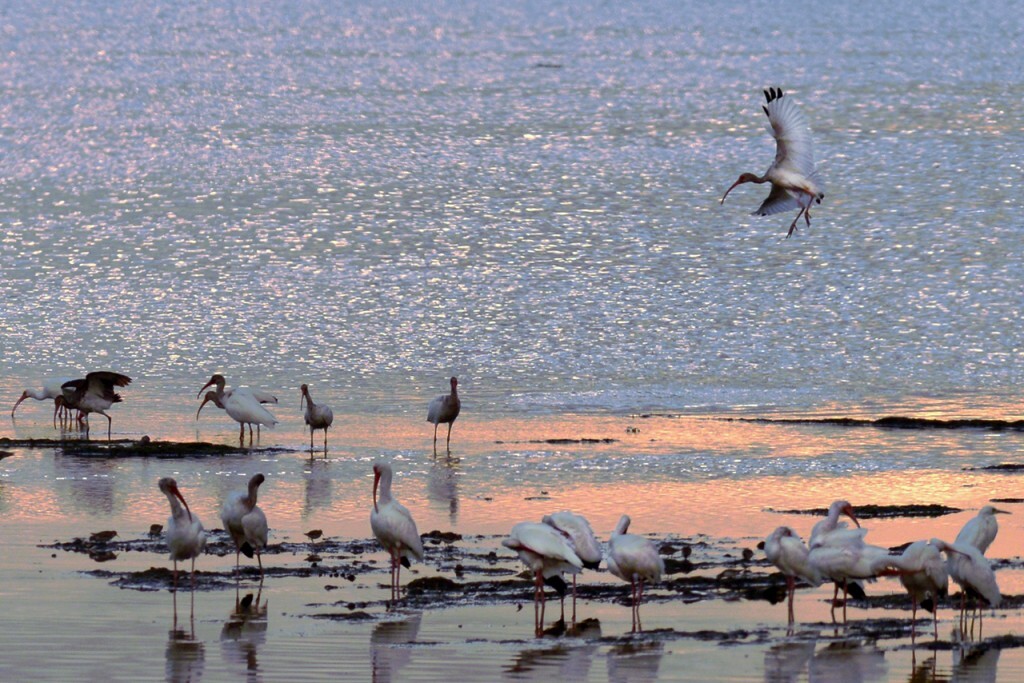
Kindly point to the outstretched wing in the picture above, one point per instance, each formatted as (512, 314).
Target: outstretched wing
(779, 200)
(102, 383)
(792, 132)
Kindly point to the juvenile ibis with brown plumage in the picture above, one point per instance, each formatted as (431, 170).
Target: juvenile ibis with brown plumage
(95, 394)
(317, 416)
(444, 409)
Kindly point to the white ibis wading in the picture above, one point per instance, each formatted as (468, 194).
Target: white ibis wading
(243, 404)
(785, 550)
(444, 409)
(317, 417)
(577, 531)
(923, 573)
(184, 532)
(393, 526)
(973, 573)
(50, 391)
(242, 407)
(794, 180)
(95, 394)
(634, 559)
(245, 521)
(547, 553)
(981, 530)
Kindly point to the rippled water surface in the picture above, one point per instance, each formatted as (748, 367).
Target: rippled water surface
(371, 197)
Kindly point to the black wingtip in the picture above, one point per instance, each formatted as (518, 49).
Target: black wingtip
(856, 591)
(558, 584)
(405, 562)
(247, 550)
(928, 605)
(592, 565)
(765, 110)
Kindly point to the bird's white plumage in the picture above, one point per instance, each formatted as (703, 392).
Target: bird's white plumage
(794, 148)
(970, 570)
(391, 522)
(981, 530)
(543, 549)
(183, 532)
(633, 558)
(821, 531)
(244, 520)
(785, 550)
(922, 571)
(576, 529)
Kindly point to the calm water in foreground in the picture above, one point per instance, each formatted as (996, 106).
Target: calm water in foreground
(373, 197)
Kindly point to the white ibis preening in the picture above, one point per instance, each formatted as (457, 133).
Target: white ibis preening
(445, 408)
(95, 394)
(848, 562)
(51, 390)
(183, 532)
(973, 573)
(243, 393)
(576, 530)
(634, 559)
(795, 182)
(245, 521)
(981, 530)
(923, 573)
(242, 407)
(317, 417)
(820, 532)
(787, 551)
(393, 526)
(547, 554)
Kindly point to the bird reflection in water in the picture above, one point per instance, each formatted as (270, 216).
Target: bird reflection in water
(185, 655)
(389, 647)
(785, 662)
(245, 632)
(849, 662)
(565, 661)
(977, 664)
(634, 662)
(318, 486)
(443, 486)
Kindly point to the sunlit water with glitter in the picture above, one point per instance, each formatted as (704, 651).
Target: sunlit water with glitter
(372, 198)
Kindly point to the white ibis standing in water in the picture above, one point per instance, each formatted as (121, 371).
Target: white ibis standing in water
(981, 530)
(445, 408)
(317, 417)
(794, 180)
(973, 573)
(848, 559)
(95, 394)
(183, 532)
(923, 573)
(634, 559)
(547, 554)
(260, 396)
(246, 523)
(785, 550)
(576, 530)
(242, 407)
(393, 526)
(51, 390)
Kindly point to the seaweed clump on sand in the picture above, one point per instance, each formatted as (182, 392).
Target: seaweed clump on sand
(884, 511)
(143, 447)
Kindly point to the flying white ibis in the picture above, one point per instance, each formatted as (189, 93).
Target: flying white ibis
(393, 526)
(634, 559)
(981, 530)
(183, 532)
(245, 521)
(317, 417)
(972, 572)
(576, 530)
(95, 394)
(51, 390)
(795, 182)
(923, 573)
(242, 407)
(787, 551)
(445, 408)
(547, 554)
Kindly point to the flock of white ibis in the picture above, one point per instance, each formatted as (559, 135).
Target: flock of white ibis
(838, 553)
(95, 394)
(561, 543)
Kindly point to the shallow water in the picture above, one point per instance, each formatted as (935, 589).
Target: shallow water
(373, 198)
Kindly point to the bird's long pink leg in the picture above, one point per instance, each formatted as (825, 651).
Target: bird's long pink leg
(448, 441)
(241, 435)
(175, 590)
(791, 589)
(845, 599)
